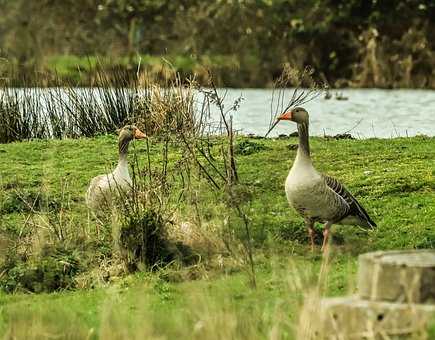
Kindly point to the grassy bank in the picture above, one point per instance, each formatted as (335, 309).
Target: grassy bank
(43, 185)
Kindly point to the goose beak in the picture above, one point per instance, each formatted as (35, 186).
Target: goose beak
(138, 134)
(286, 116)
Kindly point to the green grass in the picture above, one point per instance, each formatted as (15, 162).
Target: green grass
(146, 302)
(393, 178)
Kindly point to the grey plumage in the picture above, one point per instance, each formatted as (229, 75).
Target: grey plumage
(317, 197)
(351, 207)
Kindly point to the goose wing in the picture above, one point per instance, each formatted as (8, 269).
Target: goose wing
(355, 208)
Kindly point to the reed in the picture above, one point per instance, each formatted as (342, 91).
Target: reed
(36, 111)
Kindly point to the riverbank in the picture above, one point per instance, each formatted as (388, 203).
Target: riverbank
(44, 221)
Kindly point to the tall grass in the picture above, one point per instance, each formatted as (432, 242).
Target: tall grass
(128, 311)
(66, 111)
(21, 115)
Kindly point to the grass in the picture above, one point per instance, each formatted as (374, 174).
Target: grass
(146, 303)
(393, 178)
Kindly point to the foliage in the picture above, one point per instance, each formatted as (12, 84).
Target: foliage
(247, 147)
(142, 239)
(333, 36)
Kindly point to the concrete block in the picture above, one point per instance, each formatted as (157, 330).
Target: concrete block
(398, 276)
(352, 318)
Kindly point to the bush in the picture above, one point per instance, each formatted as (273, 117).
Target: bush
(52, 270)
(247, 147)
(143, 241)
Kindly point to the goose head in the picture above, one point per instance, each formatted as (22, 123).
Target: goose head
(298, 115)
(130, 132)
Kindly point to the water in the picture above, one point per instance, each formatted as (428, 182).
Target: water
(367, 113)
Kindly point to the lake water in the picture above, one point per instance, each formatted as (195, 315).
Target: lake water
(367, 113)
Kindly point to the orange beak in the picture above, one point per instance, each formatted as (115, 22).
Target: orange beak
(286, 116)
(138, 134)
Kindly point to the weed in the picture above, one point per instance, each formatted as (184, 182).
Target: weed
(144, 243)
(52, 270)
(247, 147)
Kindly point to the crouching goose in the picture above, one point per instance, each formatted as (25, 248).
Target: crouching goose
(101, 187)
(317, 197)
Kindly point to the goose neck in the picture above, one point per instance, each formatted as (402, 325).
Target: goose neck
(304, 144)
(123, 150)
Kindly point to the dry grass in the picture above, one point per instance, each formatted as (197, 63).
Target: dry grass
(166, 109)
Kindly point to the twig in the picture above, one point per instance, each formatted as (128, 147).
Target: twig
(358, 123)
(299, 96)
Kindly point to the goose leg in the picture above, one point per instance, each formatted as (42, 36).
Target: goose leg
(310, 226)
(326, 232)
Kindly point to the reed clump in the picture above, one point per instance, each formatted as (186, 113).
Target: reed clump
(35, 111)
(168, 108)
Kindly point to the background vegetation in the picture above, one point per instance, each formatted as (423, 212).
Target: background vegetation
(350, 43)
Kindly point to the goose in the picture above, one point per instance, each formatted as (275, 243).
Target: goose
(101, 187)
(317, 197)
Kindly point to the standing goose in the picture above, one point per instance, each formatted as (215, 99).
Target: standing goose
(317, 197)
(101, 187)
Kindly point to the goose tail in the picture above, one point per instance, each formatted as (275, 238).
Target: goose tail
(366, 221)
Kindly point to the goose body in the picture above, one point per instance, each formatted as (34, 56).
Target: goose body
(103, 187)
(317, 197)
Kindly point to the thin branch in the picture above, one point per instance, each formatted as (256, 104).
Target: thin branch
(299, 96)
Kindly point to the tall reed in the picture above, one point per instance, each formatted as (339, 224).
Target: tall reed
(40, 112)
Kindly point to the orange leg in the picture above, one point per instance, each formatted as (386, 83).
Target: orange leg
(326, 232)
(311, 233)
(310, 226)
